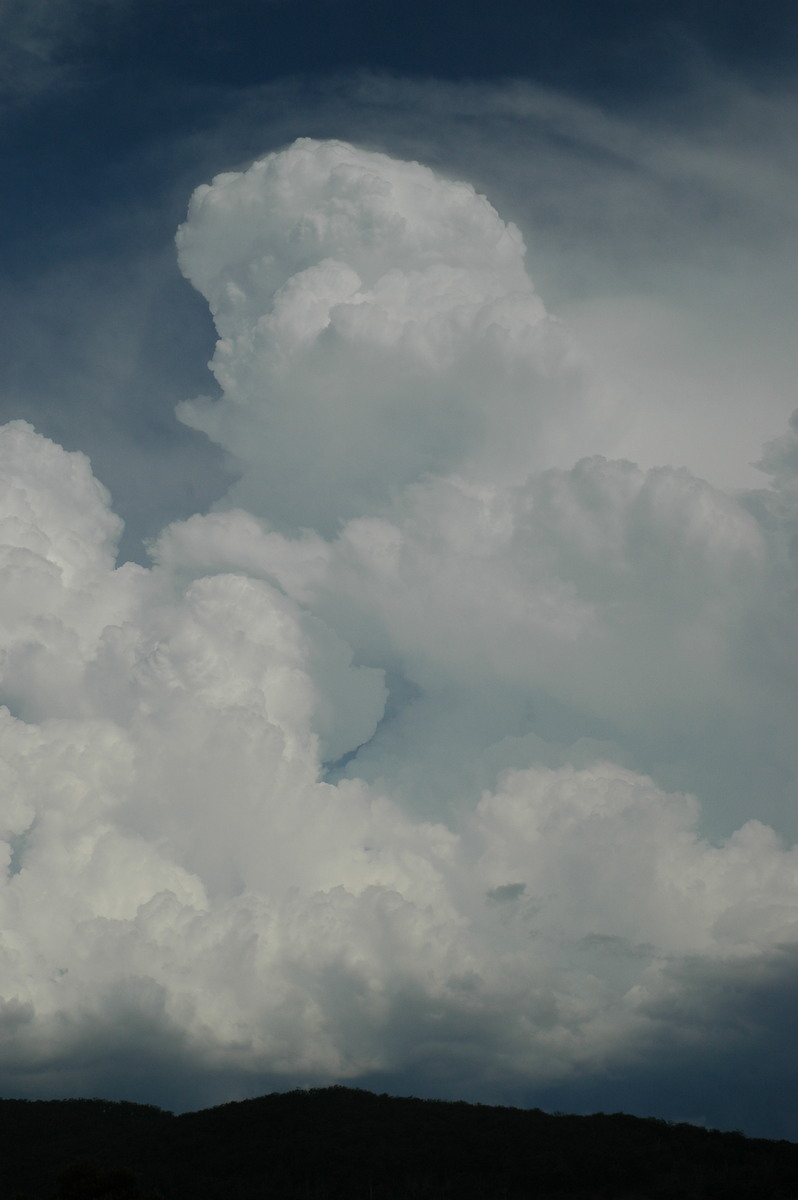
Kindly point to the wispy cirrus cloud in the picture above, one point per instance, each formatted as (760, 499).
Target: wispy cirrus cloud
(39, 40)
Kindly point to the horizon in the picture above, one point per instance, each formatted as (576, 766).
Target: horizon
(342, 1087)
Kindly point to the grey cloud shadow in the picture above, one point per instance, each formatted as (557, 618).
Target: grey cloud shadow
(720, 1051)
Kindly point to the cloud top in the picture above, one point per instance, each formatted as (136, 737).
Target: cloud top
(376, 323)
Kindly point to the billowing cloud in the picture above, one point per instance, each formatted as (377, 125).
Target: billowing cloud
(661, 232)
(440, 749)
(376, 324)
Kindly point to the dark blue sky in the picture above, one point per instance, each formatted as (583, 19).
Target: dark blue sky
(118, 77)
(618, 49)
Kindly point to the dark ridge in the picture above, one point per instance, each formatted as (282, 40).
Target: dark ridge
(345, 1144)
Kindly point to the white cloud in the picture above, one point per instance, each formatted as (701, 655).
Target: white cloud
(410, 787)
(367, 309)
(662, 234)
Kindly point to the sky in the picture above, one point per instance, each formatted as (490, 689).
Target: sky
(399, 521)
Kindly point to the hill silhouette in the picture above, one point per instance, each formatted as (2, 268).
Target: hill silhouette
(346, 1144)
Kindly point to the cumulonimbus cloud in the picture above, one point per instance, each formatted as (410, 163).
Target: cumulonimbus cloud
(412, 786)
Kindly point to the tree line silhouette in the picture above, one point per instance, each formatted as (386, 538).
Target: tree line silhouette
(346, 1144)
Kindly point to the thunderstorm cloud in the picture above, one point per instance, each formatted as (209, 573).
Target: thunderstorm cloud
(445, 741)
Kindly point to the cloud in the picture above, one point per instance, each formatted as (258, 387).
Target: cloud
(660, 237)
(364, 308)
(479, 780)
(660, 233)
